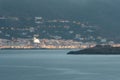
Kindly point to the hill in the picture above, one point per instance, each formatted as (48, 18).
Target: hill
(104, 13)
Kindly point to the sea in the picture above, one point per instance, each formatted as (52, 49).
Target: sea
(57, 65)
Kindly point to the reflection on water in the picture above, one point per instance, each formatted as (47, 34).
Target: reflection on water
(56, 65)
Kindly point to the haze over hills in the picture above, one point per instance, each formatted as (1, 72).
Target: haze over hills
(103, 13)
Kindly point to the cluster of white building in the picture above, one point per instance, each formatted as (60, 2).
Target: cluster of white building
(42, 43)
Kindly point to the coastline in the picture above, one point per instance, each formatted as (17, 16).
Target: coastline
(97, 50)
(39, 49)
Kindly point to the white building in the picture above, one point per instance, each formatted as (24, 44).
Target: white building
(35, 40)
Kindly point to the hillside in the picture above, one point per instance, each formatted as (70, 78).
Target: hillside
(28, 27)
(103, 13)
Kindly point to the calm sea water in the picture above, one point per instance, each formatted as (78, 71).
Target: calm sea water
(56, 65)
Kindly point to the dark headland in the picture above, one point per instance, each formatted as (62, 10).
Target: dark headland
(98, 50)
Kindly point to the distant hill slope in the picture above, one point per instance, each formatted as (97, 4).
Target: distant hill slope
(28, 27)
(104, 13)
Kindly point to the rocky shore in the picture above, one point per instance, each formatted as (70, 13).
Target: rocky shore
(98, 50)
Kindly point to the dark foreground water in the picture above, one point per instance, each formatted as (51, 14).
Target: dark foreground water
(56, 65)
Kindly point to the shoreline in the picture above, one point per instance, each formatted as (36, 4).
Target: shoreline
(39, 49)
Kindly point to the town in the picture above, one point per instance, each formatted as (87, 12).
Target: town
(40, 33)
